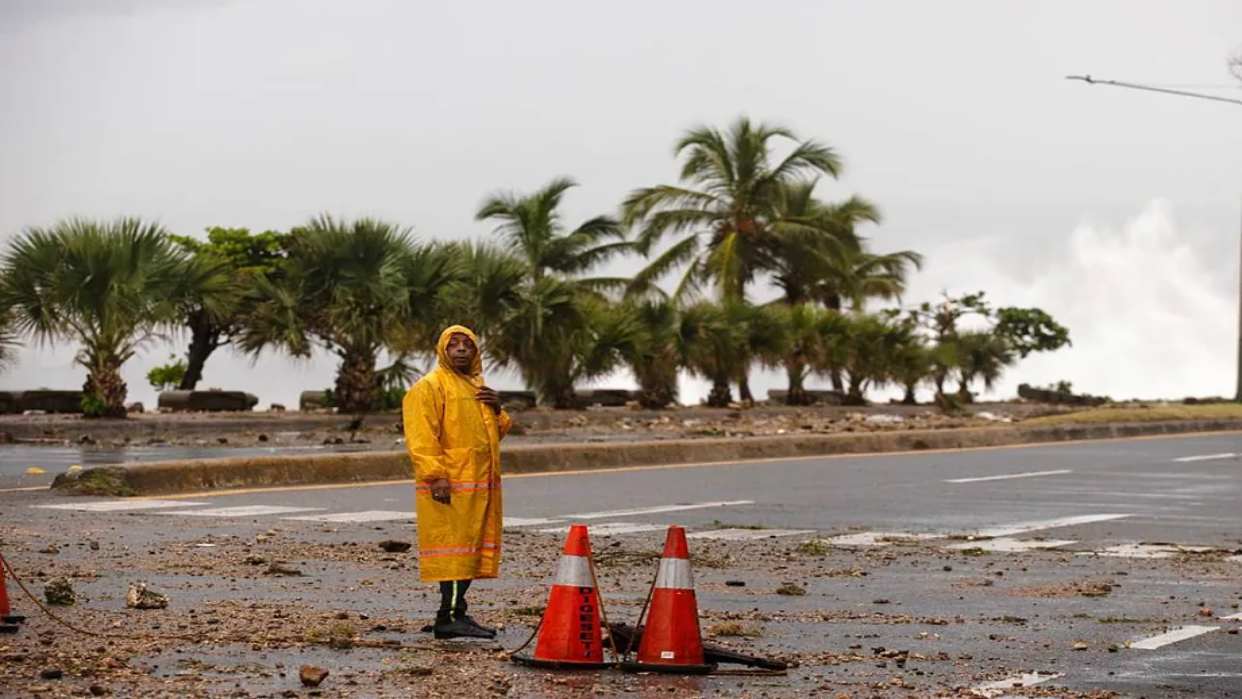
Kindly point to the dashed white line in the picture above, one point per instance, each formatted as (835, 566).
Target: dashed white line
(119, 505)
(1007, 545)
(1037, 525)
(1179, 634)
(879, 538)
(364, 516)
(995, 689)
(747, 534)
(244, 511)
(1206, 457)
(656, 510)
(611, 529)
(1028, 474)
(1232, 617)
(528, 521)
(1147, 550)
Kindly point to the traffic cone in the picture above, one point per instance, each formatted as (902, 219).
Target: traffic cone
(10, 621)
(671, 641)
(570, 635)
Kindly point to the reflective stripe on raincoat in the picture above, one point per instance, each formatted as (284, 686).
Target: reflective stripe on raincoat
(450, 434)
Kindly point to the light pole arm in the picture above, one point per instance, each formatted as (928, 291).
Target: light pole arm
(1151, 88)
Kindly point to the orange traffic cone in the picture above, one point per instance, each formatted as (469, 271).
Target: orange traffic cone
(671, 641)
(570, 634)
(6, 613)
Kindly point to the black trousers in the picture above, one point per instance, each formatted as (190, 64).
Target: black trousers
(452, 599)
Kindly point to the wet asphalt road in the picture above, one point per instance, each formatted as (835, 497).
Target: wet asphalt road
(1089, 503)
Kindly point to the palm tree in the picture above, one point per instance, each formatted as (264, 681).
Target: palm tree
(353, 288)
(111, 286)
(981, 355)
(727, 210)
(805, 329)
(486, 288)
(530, 226)
(9, 341)
(763, 339)
(863, 346)
(810, 256)
(555, 337)
(654, 357)
(712, 345)
(549, 322)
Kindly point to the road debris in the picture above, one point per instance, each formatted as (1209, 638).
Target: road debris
(312, 676)
(140, 596)
(59, 592)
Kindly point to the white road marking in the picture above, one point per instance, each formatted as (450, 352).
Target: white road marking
(528, 521)
(1007, 545)
(1232, 617)
(1206, 457)
(1037, 525)
(1028, 474)
(1146, 550)
(995, 689)
(611, 529)
(1178, 634)
(244, 511)
(119, 505)
(364, 516)
(879, 538)
(1234, 559)
(747, 534)
(656, 510)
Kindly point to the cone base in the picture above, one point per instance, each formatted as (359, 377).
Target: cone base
(532, 661)
(13, 619)
(635, 666)
(8, 628)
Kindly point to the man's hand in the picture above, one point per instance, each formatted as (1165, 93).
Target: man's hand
(441, 491)
(490, 398)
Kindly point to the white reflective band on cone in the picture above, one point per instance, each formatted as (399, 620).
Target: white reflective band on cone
(675, 574)
(574, 571)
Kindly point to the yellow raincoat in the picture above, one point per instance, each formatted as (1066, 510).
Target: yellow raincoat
(450, 434)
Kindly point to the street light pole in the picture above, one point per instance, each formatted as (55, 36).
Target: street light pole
(1237, 396)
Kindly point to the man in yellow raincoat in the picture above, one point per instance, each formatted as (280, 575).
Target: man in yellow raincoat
(453, 428)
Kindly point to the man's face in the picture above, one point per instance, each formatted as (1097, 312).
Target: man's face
(461, 352)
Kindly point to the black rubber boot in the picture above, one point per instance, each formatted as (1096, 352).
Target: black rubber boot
(467, 619)
(459, 628)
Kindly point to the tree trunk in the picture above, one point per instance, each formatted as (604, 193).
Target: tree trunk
(795, 369)
(743, 390)
(909, 398)
(356, 389)
(104, 391)
(204, 339)
(657, 388)
(963, 391)
(720, 396)
(855, 396)
(564, 399)
(838, 382)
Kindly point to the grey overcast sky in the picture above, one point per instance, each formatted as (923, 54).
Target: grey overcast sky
(1117, 211)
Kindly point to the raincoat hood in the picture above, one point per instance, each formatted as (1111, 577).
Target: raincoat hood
(476, 368)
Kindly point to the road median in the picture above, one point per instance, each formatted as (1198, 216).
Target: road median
(203, 475)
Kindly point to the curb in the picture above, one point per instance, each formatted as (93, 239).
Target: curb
(199, 475)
